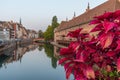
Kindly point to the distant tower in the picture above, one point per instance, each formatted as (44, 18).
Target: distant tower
(74, 15)
(66, 19)
(20, 21)
(88, 7)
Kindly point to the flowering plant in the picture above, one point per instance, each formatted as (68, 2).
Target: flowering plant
(97, 57)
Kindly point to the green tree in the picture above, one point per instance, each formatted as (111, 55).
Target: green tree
(55, 22)
(40, 34)
(49, 33)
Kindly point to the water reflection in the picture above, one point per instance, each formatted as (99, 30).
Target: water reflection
(15, 54)
(56, 51)
(30, 62)
(49, 50)
(40, 47)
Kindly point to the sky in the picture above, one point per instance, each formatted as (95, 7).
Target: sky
(37, 14)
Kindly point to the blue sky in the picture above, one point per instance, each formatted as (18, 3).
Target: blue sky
(37, 14)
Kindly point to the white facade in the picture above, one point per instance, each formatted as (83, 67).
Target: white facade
(4, 34)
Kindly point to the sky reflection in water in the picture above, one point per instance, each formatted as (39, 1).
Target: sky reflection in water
(31, 63)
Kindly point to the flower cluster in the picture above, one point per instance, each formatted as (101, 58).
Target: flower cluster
(96, 57)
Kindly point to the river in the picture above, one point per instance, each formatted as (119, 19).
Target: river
(31, 62)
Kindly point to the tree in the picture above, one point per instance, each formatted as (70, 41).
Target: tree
(55, 22)
(49, 33)
(40, 34)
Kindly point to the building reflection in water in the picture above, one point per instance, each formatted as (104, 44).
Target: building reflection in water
(15, 55)
(56, 51)
(51, 52)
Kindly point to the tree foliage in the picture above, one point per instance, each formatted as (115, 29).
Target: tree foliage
(40, 34)
(49, 33)
(55, 22)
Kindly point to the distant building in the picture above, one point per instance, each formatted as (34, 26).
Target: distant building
(83, 20)
(4, 31)
(10, 30)
(32, 34)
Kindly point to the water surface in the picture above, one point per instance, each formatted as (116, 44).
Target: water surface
(31, 62)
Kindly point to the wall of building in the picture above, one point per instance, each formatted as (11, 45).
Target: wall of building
(83, 20)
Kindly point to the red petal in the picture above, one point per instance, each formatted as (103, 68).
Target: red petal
(109, 40)
(108, 15)
(95, 22)
(89, 73)
(68, 64)
(108, 26)
(118, 47)
(104, 16)
(74, 46)
(68, 72)
(106, 40)
(116, 13)
(110, 53)
(97, 28)
(66, 51)
(118, 65)
(63, 60)
(74, 34)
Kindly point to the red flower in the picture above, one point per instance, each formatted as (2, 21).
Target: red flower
(74, 34)
(88, 57)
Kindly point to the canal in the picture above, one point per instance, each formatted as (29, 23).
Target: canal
(31, 62)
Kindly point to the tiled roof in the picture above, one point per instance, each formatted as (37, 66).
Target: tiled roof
(110, 5)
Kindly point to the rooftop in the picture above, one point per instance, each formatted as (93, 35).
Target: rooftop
(110, 5)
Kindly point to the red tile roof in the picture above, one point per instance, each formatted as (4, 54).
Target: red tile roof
(110, 5)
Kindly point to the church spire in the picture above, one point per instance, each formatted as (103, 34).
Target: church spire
(66, 19)
(20, 21)
(74, 15)
(88, 7)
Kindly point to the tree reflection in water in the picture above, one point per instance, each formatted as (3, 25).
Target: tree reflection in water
(40, 47)
(49, 50)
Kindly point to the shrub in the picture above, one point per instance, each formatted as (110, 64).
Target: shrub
(97, 57)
